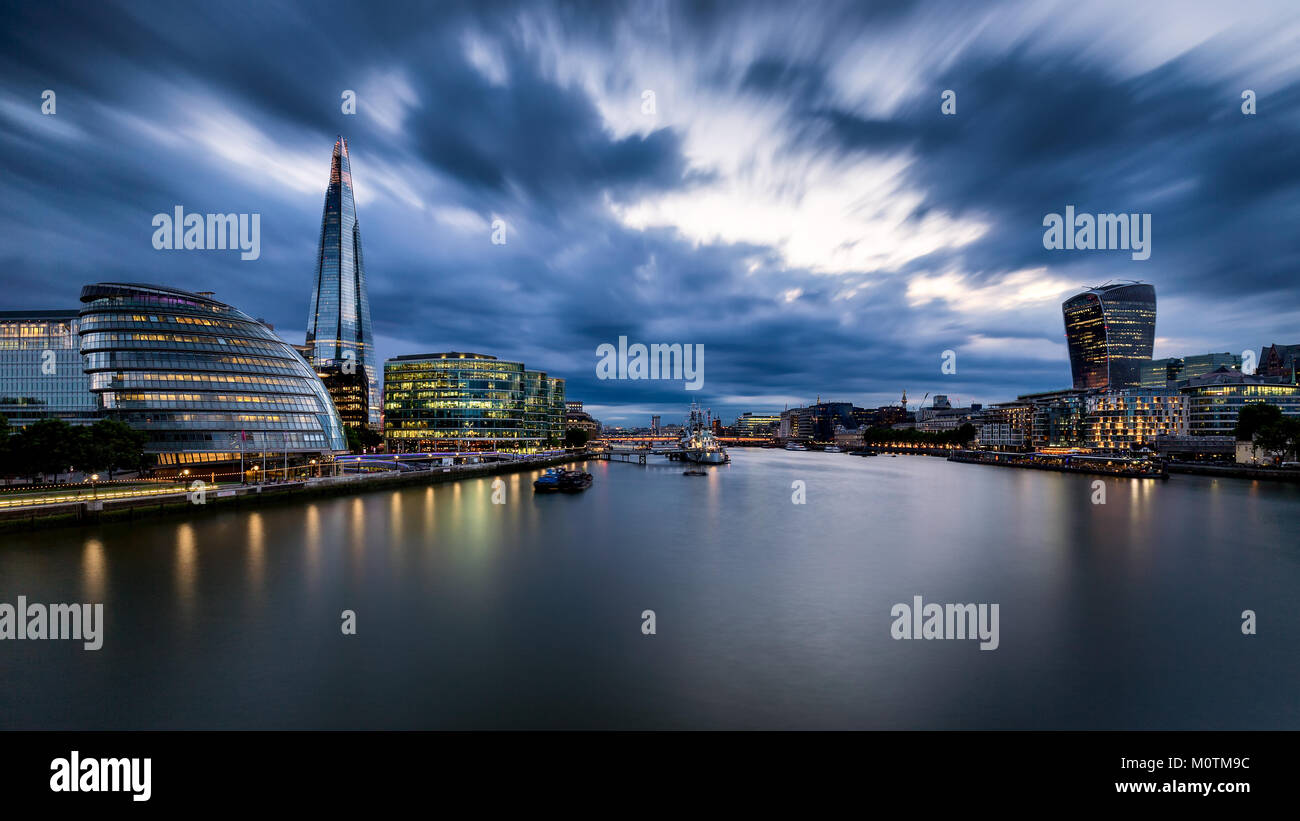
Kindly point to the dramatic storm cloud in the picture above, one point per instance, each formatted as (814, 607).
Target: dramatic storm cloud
(774, 181)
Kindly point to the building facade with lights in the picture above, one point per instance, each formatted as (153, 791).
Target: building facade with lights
(1127, 420)
(41, 373)
(576, 418)
(339, 332)
(1006, 426)
(1060, 419)
(1162, 373)
(1110, 331)
(439, 402)
(208, 384)
(1214, 400)
(757, 425)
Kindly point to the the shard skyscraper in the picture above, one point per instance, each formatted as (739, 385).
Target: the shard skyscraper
(339, 333)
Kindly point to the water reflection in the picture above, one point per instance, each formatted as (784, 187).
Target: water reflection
(311, 541)
(771, 614)
(93, 570)
(256, 549)
(427, 535)
(186, 567)
(357, 535)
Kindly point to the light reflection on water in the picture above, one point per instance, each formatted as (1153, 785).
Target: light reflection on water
(187, 567)
(256, 550)
(770, 614)
(93, 570)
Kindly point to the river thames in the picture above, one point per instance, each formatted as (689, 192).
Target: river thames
(768, 614)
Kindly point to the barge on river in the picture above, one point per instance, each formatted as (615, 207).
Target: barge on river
(1132, 467)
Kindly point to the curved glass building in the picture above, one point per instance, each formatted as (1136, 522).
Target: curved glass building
(208, 383)
(1110, 331)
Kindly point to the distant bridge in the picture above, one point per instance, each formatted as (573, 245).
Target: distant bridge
(652, 440)
(428, 460)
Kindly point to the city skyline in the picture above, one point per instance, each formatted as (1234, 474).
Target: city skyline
(905, 232)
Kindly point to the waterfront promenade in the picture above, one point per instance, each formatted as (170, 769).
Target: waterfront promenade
(88, 506)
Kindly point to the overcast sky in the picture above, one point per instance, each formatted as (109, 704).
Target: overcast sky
(796, 201)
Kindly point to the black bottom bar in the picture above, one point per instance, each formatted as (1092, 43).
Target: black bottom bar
(617, 771)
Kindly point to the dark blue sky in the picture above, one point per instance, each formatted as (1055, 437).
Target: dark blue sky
(796, 201)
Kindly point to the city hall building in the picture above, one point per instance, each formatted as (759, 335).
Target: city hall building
(207, 383)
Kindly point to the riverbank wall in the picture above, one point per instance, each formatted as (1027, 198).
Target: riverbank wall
(236, 497)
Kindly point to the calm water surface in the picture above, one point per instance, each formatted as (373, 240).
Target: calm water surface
(769, 614)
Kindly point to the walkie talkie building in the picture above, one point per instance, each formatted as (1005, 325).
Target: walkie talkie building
(1110, 331)
(338, 322)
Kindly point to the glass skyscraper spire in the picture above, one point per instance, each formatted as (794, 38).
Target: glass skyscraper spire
(339, 332)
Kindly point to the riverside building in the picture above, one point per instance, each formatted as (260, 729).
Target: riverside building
(470, 402)
(752, 425)
(575, 418)
(1131, 419)
(1214, 400)
(210, 385)
(1060, 420)
(1006, 426)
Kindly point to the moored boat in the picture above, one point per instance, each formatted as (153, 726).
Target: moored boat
(548, 482)
(556, 480)
(574, 481)
(1125, 466)
(698, 443)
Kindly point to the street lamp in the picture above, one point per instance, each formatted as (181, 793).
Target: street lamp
(255, 474)
(94, 477)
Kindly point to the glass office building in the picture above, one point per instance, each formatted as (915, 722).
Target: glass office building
(750, 424)
(1159, 373)
(1214, 400)
(469, 401)
(207, 383)
(41, 374)
(350, 392)
(555, 419)
(338, 321)
(1110, 331)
